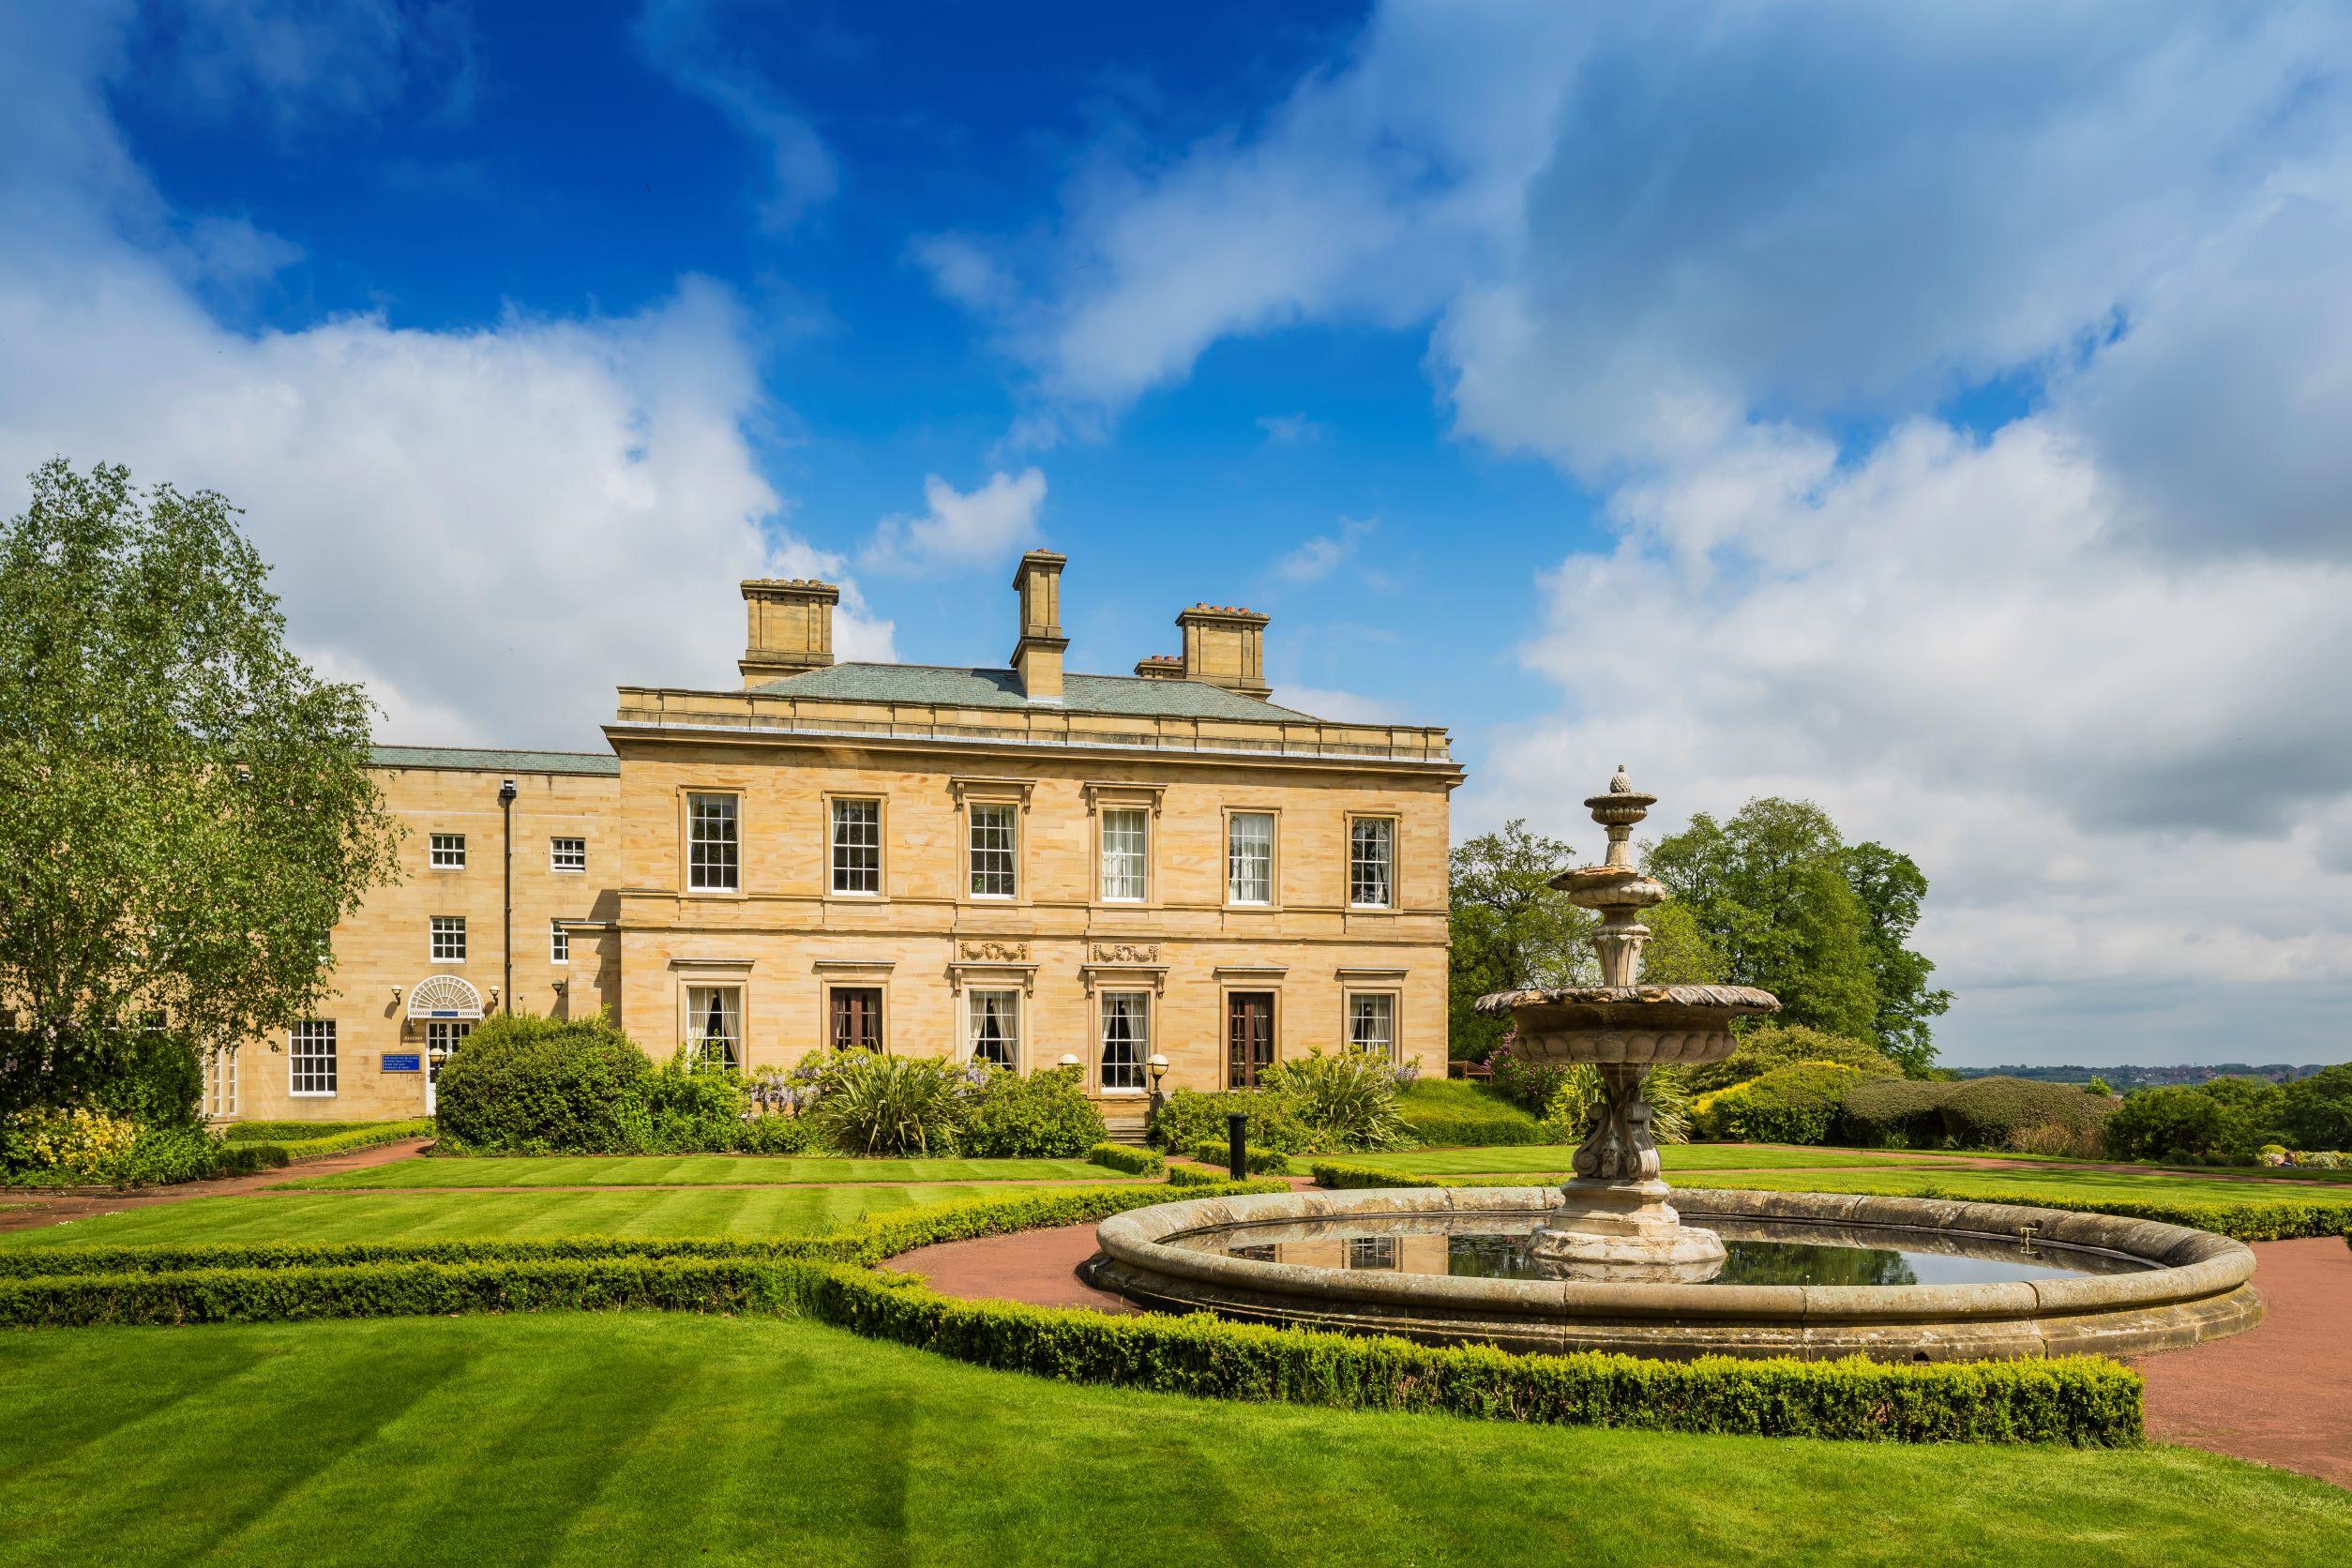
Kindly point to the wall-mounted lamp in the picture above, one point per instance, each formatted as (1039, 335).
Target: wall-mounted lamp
(396, 996)
(563, 987)
(493, 996)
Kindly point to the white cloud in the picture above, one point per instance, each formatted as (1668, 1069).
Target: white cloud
(2084, 669)
(1290, 429)
(961, 527)
(300, 58)
(1325, 553)
(492, 527)
(1350, 707)
(681, 37)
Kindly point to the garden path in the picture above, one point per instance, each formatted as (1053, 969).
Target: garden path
(41, 1209)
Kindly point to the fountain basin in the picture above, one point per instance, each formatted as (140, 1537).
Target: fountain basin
(1630, 1025)
(2130, 1287)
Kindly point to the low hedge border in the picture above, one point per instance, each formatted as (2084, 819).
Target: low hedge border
(1439, 1131)
(1258, 1162)
(2256, 1220)
(2079, 1400)
(297, 1150)
(1135, 1162)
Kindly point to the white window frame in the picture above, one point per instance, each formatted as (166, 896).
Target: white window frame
(1139, 1046)
(223, 1093)
(304, 1057)
(567, 861)
(445, 851)
(704, 873)
(1007, 1016)
(1385, 1004)
(1359, 865)
(1235, 864)
(992, 867)
(725, 1002)
(844, 850)
(445, 938)
(1142, 856)
(559, 944)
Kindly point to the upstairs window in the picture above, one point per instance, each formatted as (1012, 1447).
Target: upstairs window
(711, 848)
(993, 840)
(448, 852)
(1371, 862)
(445, 938)
(1123, 856)
(857, 846)
(1249, 857)
(567, 854)
(310, 1056)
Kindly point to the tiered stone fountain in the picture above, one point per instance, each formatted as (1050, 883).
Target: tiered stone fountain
(1614, 1221)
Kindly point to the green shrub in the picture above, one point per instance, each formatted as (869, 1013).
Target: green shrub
(1993, 1112)
(1256, 1161)
(1788, 1105)
(775, 1134)
(1437, 1130)
(1892, 1113)
(2182, 1126)
(1348, 1100)
(684, 1105)
(872, 1104)
(1188, 1116)
(1525, 1082)
(1044, 1115)
(65, 1145)
(526, 1085)
(1135, 1162)
(1785, 1044)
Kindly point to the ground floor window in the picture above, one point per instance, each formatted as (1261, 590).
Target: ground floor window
(857, 1018)
(559, 944)
(996, 1028)
(222, 1098)
(1126, 1038)
(714, 1024)
(310, 1056)
(1372, 1024)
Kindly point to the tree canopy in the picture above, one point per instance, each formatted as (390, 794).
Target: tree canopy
(185, 810)
(1788, 905)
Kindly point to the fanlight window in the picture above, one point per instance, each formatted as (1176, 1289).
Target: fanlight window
(444, 996)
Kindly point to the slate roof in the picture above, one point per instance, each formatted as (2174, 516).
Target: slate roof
(603, 762)
(1129, 694)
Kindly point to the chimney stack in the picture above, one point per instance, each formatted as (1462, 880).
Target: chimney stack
(1037, 656)
(789, 628)
(1225, 645)
(1160, 667)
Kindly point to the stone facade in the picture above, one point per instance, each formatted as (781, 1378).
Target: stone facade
(1067, 854)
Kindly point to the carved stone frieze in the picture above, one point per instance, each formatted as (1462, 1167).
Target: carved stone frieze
(997, 952)
(1126, 952)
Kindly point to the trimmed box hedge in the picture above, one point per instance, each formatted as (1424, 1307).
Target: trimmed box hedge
(2080, 1400)
(2278, 1219)
(1135, 1162)
(1438, 1130)
(1256, 1161)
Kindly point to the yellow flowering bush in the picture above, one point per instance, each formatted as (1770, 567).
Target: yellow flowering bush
(75, 1141)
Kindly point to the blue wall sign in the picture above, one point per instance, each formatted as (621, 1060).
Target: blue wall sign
(409, 1063)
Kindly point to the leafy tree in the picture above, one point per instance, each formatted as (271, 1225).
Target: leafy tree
(1891, 887)
(1679, 951)
(1510, 929)
(2100, 1087)
(185, 810)
(2316, 1111)
(1768, 890)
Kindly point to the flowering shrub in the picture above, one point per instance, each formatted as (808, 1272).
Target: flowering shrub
(75, 1142)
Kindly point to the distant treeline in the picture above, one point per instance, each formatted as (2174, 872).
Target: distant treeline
(2126, 1078)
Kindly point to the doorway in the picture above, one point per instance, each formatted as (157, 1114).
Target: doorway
(1249, 1017)
(442, 1037)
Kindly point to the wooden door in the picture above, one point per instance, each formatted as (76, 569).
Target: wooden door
(1248, 1037)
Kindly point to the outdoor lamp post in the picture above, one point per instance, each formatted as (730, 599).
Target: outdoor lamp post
(1158, 1065)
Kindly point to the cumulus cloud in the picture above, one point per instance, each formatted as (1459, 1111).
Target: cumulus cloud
(1290, 429)
(493, 527)
(686, 41)
(1729, 273)
(961, 528)
(1352, 707)
(1325, 553)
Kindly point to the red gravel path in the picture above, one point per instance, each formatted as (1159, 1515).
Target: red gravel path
(2281, 1394)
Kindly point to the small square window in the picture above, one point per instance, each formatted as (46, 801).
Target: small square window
(448, 852)
(448, 938)
(567, 854)
(310, 1056)
(559, 943)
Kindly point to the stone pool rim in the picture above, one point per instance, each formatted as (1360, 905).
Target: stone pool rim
(2197, 1287)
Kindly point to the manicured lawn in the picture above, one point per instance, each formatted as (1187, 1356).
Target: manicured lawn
(1957, 1183)
(400, 1216)
(641, 1438)
(1552, 1159)
(695, 1170)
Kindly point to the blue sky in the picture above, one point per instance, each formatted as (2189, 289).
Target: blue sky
(1930, 411)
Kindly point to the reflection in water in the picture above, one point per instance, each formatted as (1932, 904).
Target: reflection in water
(1493, 1247)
